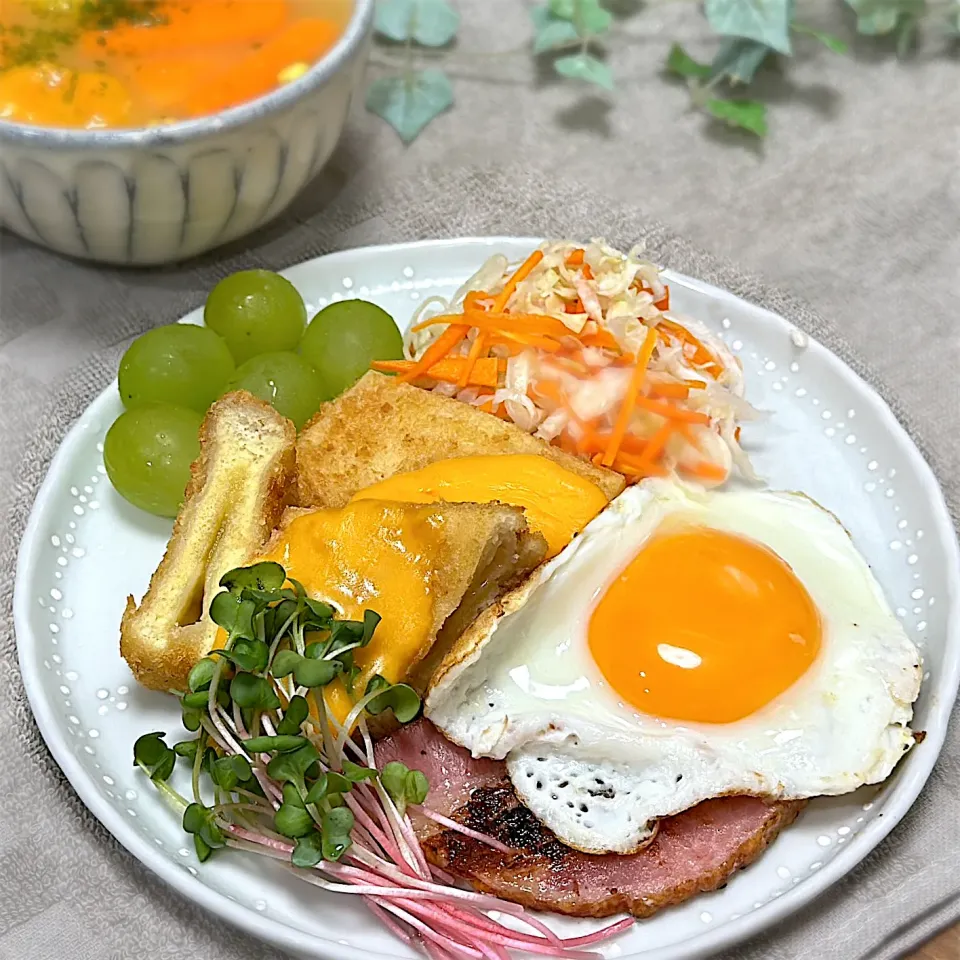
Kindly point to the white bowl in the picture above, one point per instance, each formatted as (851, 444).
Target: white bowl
(162, 194)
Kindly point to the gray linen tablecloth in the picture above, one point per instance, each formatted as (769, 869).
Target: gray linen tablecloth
(852, 206)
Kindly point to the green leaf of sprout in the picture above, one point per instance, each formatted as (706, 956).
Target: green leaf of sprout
(294, 716)
(280, 744)
(292, 796)
(401, 698)
(749, 115)
(202, 673)
(292, 821)
(336, 824)
(315, 673)
(255, 692)
(264, 576)
(766, 21)
(294, 765)
(199, 821)
(229, 771)
(827, 39)
(357, 774)
(403, 784)
(186, 749)
(738, 60)
(308, 851)
(151, 752)
(586, 67)
(235, 615)
(284, 663)
(202, 848)
(408, 104)
(195, 701)
(247, 654)
(190, 718)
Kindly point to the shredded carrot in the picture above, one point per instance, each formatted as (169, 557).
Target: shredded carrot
(450, 370)
(574, 306)
(436, 351)
(477, 349)
(673, 391)
(574, 257)
(600, 338)
(736, 434)
(550, 389)
(701, 355)
(476, 299)
(629, 401)
(503, 298)
(657, 443)
(707, 471)
(586, 272)
(671, 411)
(664, 302)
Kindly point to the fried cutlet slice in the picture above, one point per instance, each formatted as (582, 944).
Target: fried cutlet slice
(428, 569)
(381, 427)
(239, 487)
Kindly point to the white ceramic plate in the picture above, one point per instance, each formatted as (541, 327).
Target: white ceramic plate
(829, 434)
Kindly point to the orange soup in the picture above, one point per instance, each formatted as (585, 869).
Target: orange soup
(137, 63)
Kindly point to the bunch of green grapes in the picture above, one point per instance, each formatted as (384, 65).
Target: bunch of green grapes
(255, 337)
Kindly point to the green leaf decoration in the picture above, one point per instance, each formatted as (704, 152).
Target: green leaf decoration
(292, 821)
(229, 771)
(254, 692)
(554, 34)
(408, 104)
(766, 21)
(278, 744)
(247, 654)
(399, 697)
(296, 713)
(585, 66)
(337, 824)
(151, 752)
(403, 784)
(315, 673)
(738, 60)
(233, 614)
(190, 718)
(266, 576)
(827, 39)
(357, 774)
(199, 821)
(431, 23)
(682, 64)
(293, 766)
(284, 663)
(201, 675)
(308, 851)
(749, 115)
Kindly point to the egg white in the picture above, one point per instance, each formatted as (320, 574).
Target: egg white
(522, 685)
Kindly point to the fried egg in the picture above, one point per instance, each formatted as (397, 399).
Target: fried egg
(687, 645)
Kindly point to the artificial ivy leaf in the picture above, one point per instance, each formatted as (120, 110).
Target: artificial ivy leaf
(308, 851)
(408, 104)
(432, 23)
(266, 576)
(750, 115)
(766, 21)
(554, 34)
(585, 66)
(293, 717)
(681, 63)
(827, 39)
(337, 824)
(738, 60)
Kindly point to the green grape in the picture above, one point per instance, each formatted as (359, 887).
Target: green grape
(148, 452)
(344, 338)
(256, 312)
(286, 381)
(181, 363)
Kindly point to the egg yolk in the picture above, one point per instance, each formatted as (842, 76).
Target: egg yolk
(369, 555)
(556, 502)
(704, 626)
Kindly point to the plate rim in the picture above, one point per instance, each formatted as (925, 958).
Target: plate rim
(904, 793)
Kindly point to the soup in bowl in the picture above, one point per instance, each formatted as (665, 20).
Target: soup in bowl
(145, 131)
